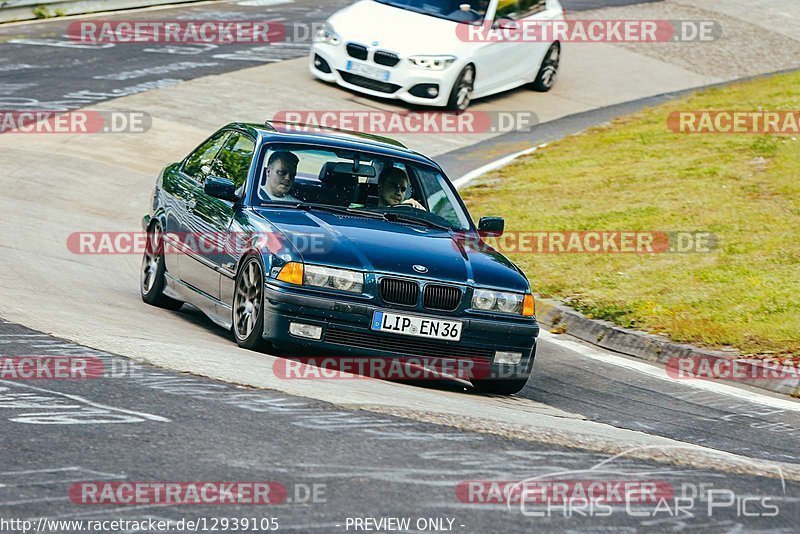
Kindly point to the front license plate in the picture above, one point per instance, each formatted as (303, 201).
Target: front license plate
(411, 325)
(368, 71)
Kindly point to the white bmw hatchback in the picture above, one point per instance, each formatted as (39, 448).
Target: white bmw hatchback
(419, 51)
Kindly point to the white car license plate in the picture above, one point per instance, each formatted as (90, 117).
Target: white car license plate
(411, 325)
(368, 71)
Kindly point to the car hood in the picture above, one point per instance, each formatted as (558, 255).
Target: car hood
(378, 246)
(396, 30)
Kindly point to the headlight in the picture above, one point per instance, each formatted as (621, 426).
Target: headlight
(509, 302)
(341, 279)
(325, 34)
(483, 299)
(487, 300)
(432, 62)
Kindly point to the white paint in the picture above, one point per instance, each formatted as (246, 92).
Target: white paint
(502, 162)
(59, 44)
(261, 3)
(661, 374)
(95, 14)
(184, 50)
(149, 71)
(32, 501)
(262, 54)
(36, 471)
(19, 66)
(87, 402)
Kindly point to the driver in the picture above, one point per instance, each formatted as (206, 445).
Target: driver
(279, 176)
(392, 188)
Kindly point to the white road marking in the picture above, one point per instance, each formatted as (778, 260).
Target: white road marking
(35, 471)
(95, 14)
(89, 403)
(642, 367)
(661, 374)
(502, 162)
(59, 44)
(32, 501)
(261, 3)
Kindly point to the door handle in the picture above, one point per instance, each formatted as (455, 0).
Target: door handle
(191, 204)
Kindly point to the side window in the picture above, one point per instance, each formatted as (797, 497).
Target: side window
(507, 9)
(440, 198)
(531, 7)
(198, 164)
(233, 161)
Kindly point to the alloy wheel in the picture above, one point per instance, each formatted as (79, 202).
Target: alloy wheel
(247, 302)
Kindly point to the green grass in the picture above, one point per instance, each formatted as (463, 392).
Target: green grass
(635, 174)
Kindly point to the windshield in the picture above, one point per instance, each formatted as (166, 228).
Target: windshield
(358, 182)
(470, 11)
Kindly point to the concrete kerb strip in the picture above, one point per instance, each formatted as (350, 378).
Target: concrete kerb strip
(560, 319)
(22, 12)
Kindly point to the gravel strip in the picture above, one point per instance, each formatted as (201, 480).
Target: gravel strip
(744, 49)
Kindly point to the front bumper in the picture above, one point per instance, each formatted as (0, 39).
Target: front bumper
(404, 77)
(346, 332)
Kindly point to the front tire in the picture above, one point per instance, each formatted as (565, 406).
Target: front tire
(548, 71)
(506, 386)
(461, 95)
(248, 306)
(152, 274)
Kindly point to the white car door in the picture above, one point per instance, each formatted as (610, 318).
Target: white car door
(528, 56)
(495, 61)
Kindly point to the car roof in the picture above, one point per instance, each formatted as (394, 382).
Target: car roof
(276, 132)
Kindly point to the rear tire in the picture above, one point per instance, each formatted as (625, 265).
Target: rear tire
(548, 71)
(248, 306)
(152, 275)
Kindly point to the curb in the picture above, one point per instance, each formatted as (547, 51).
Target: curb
(560, 319)
(22, 10)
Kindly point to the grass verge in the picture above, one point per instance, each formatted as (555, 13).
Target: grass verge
(634, 174)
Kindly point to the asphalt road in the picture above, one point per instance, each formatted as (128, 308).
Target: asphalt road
(42, 68)
(147, 425)
(159, 425)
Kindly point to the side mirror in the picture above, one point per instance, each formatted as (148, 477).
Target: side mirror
(505, 24)
(221, 188)
(491, 226)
